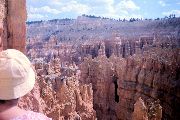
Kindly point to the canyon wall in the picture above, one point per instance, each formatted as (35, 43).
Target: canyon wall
(120, 72)
(12, 24)
(58, 98)
(119, 82)
(124, 47)
(152, 110)
(58, 93)
(115, 83)
(3, 25)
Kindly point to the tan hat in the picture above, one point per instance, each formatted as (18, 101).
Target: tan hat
(17, 77)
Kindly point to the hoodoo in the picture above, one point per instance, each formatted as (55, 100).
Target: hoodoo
(93, 68)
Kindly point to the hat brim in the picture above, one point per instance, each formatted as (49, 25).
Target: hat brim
(14, 92)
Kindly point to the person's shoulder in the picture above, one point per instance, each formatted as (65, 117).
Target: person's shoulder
(30, 115)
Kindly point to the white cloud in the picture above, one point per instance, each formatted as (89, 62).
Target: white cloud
(127, 9)
(107, 1)
(55, 2)
(74, 6)
(162, 3)
(100, 2)
(128, 5)
(44, 9)
(178, 3)
(107, 8)
(176, 12)
(35, 16)
(113, 9)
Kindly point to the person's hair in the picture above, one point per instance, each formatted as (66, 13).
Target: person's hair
(14, 101)
(2, 101)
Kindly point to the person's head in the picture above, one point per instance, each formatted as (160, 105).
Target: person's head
(17, 76)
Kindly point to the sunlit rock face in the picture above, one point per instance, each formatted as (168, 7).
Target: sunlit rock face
(12, 24)
(115, 81)
(58, 93)
(3, 25)
(118, 82)
(152, 110)
(16, 24)
(140, 110)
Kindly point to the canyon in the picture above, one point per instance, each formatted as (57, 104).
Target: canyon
(119, 82)
(90, 69)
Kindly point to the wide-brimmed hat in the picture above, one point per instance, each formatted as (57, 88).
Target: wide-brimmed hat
(17, 76)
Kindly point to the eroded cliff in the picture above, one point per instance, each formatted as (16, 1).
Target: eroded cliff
(119, 82)
(58, 93)
(109, 88)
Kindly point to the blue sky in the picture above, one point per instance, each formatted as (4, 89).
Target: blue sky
(57, 9)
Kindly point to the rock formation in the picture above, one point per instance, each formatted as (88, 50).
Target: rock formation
(149, 111)
(114, 71)
(12, 24)
(3, 25)
(118, 82)
(133, 70)
(58, 94)
(140, 110)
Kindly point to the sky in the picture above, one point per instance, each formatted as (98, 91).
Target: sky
(59, 9)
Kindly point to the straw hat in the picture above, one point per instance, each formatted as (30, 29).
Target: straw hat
(17, 77)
